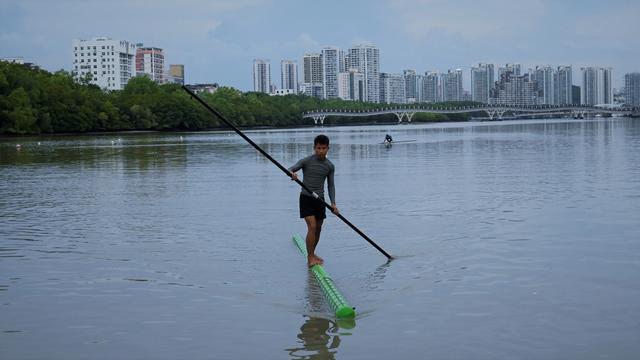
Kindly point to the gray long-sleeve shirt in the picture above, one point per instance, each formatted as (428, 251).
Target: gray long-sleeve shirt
(314, 172)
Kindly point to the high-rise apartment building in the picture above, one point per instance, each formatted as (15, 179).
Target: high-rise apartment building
(632, 89)
(343, 58)
(482, 79)
(150, 63)
(451, 84)
(103, 61)
(543, 79)
(351, 85)
(596, 86)
(330, 70)
(312, 75)
(419, 88)
(366, 60)
(562, 85)
(392, 89)
(410, 86)
(514, 69)
(289, 75)
(262, 76)
(312, 68)
(513, 90)
(431, 87)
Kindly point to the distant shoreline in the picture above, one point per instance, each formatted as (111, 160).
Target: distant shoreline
(252, 128)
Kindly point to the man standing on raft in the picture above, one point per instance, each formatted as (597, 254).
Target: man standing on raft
(315, 169)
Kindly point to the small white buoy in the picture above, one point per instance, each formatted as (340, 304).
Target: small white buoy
(38, 143)
(18, 146)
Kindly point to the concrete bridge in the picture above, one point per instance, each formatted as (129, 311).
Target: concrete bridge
(493, 111)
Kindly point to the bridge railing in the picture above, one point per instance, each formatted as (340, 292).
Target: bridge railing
(484, 107)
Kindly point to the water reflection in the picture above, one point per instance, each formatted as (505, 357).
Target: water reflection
(319, 337)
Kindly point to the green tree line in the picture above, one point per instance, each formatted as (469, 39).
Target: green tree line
(35, 101)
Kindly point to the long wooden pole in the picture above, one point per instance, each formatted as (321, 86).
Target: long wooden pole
(285, 170)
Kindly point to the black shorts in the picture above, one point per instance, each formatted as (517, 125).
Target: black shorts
(310, 206)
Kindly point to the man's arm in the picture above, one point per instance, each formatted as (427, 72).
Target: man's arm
(296, 167)
(332, 190)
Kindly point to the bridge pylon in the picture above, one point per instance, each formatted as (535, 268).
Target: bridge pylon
(409, 116)
(319, 118)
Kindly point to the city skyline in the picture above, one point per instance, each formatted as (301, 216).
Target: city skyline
(218, 40)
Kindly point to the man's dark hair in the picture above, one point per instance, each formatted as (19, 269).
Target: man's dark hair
(321, 139)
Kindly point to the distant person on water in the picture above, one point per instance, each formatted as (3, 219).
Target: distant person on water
(388, 139)
(315, 169)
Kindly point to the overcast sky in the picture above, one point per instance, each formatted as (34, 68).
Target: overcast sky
(217, 40)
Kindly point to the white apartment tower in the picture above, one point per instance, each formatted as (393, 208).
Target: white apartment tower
(543, 76)
(514, 69)
(105, 62)
(392, 89)
(451, 84)
(410, 86)
(482, 80)
(515, 90)
(262, 76)
(431, 87)
(344, 61)
(351, 85)
(596, 86)
(366, 60)
(330, 70)
(419, 88)
(289, 75)
(563, 85)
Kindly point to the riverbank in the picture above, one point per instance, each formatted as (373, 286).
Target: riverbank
(38, 102)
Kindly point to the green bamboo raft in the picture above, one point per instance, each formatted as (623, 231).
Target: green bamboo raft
(336, 300)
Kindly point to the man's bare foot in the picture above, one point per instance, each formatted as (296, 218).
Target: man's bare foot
(314, 260)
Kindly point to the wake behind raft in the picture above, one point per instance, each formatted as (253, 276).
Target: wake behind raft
(338, 303)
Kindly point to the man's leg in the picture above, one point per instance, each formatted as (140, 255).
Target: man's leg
(319, 222)
(312, 240)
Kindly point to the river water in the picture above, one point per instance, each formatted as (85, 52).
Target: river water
(514, 240)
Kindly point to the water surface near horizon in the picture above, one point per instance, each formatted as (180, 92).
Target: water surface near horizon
(515, 239)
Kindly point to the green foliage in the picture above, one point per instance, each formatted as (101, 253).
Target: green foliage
(36, 101)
